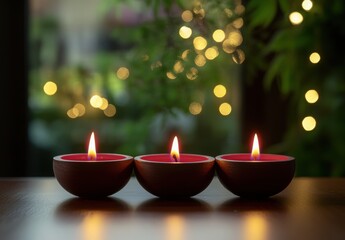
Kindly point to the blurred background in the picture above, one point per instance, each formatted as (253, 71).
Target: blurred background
(138, 72)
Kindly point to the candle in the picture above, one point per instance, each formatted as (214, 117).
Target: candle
(255, 175)
(92, 174)
(174, 175)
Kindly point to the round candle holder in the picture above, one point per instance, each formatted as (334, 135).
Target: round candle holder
(98, 178)
(255, 178)
(164, 178)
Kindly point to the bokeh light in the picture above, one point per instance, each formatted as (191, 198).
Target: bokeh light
(122, 73)
(185, 32)
(200, 60)
(238, 23)
(314, 57)
(81, 109)
(195, 108)
(311, 96)
(96, 101)
(309, 123)
(50, 88)
(192, 74)
(225, 109)
(110, 111)
(104, 104)
(187, 16)
(218, 35)
(235, 38)
(184, 54)
(219, 91)
(178, 67)
(211, 53)
(238, 56)
(199, 43)
(307, 5)
(171, 76)
(296, 18)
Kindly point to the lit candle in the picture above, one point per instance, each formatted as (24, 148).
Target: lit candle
(174, 175)
(92, 174)
(255, 175)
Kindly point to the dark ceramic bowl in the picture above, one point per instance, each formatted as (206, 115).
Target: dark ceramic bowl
(92, 178)
(166, 179)
(255, 179)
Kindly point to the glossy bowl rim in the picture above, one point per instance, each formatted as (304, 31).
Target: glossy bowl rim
(209, 159)
(220, 158)
(125, 158)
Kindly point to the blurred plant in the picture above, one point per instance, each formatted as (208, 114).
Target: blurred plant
(303, 45)
(157, 70)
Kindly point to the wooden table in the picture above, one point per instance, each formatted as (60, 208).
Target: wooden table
(39, 209)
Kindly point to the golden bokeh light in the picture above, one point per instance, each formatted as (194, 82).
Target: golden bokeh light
(81, 109)
(239, 9)
(185, 32)
(195, 108)
(235, 38)
(314, 57)
(192, 74)
(238, 56)
(225, 109)
(96, 101)
(184, 54)
(218, 35)
(187, 16)
(110, 111)
(50, 88)
(296, 18)
(219, 91)
(227, 47)
(199, 43)
(178, 67)
(211, 53)
(122, 73)
(171, 76)
(71, 113)
(307, 5)
(311, 96)
(238, 23)
(104, 104)
(200, 60)
(309, 123)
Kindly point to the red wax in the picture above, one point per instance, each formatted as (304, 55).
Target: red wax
(247, 157)
(166, 158)
(83, 157)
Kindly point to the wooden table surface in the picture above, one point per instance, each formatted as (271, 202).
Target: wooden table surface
(39, 209)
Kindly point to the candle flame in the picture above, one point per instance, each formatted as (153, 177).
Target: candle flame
(92, 148)
(174, 153)
(256, 148)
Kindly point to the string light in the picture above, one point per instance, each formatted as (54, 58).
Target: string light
(219, 91)
(311, 96)
(50, 88)
(195, 108)
(307, 5)
(225, 109)
(296, 18)
(309, 123)
(185, 32)
(314, 57)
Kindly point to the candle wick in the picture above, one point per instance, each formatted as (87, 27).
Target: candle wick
(174, 157)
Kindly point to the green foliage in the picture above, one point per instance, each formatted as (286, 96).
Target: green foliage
(286, 48)
(153, 102)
